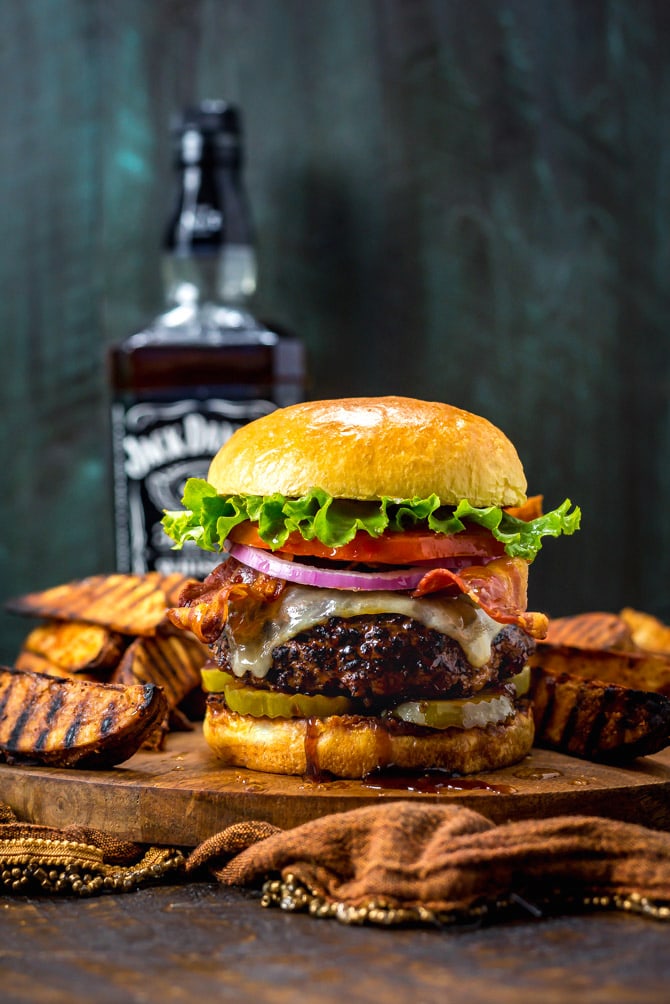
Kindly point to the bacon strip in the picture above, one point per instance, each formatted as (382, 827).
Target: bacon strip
(531, 508)
(499, 588)
(203, 608)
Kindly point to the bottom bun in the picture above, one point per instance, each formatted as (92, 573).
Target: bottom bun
(353, 746)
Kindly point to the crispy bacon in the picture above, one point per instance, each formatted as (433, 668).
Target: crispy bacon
(203, 608)
(531, 508)
(499, 588)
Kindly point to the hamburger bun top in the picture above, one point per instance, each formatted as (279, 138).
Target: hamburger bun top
(368, 447)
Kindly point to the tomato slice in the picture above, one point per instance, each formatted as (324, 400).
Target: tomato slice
(392, 548)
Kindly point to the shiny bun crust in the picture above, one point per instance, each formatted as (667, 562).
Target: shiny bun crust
(365, 448)
(353, 746)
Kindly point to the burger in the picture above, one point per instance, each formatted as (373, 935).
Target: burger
(371, 609)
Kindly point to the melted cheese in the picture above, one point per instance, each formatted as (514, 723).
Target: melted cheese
(302, 607)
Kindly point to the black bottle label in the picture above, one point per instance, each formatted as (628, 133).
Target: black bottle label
(156, 447)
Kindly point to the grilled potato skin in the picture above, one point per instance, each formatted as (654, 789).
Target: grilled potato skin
(641, 671)
(67, 722)
(173, 661)
(126, 604)
(597, 720)
(596, 630)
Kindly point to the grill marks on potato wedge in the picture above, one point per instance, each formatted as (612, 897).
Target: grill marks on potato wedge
(173, 662)
(170, 660)
(640, 671)
(69, 722)
(596, 720)
(128, 604)
(105, 629)
(595, 630)
(598, 692)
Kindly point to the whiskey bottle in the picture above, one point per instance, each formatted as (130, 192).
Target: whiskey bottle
(206, 365)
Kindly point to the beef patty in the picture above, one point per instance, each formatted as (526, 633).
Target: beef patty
(384, 655)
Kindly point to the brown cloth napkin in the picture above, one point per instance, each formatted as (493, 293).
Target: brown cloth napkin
(405, 862)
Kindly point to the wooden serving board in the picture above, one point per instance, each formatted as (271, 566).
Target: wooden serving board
(183, 794)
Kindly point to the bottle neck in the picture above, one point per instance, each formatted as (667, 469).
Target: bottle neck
(225, 277)
(209, 255)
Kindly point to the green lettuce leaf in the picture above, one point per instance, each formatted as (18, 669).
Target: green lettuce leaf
(208, 518)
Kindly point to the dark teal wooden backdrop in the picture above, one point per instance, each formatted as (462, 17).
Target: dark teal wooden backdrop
(456, 199)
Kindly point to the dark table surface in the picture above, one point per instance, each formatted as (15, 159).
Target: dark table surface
(203, 942)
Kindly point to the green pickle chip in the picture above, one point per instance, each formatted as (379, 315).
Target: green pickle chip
(271, 703)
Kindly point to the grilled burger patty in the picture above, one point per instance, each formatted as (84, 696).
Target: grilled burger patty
(383, 655)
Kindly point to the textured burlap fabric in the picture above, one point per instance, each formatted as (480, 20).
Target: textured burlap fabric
(408, 861)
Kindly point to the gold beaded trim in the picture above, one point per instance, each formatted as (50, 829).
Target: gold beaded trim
(62, 866)
(291, 894)
(49, 850)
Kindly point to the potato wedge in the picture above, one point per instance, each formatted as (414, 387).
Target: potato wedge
(172, 661)
(597, 630)
(641, 671)
(597, 721)
(70, 722)
(31, 662)
(128, 604)
(76, 646)
(647, 631)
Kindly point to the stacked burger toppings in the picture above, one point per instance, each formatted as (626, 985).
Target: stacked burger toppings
(371, 610)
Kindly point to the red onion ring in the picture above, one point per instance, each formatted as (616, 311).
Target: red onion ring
(325, 578)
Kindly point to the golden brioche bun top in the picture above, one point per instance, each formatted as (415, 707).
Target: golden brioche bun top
(368, 447)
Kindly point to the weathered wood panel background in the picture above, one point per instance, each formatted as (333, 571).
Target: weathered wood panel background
(454, 199)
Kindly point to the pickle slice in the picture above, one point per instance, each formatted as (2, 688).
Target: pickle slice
(462, 713)
(521, 682)
(485, 708)
(271, 703)
(214, 680)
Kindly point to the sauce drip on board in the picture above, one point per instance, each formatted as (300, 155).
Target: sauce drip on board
(431, 782)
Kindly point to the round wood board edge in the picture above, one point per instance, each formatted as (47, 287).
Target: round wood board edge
(182, 794)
